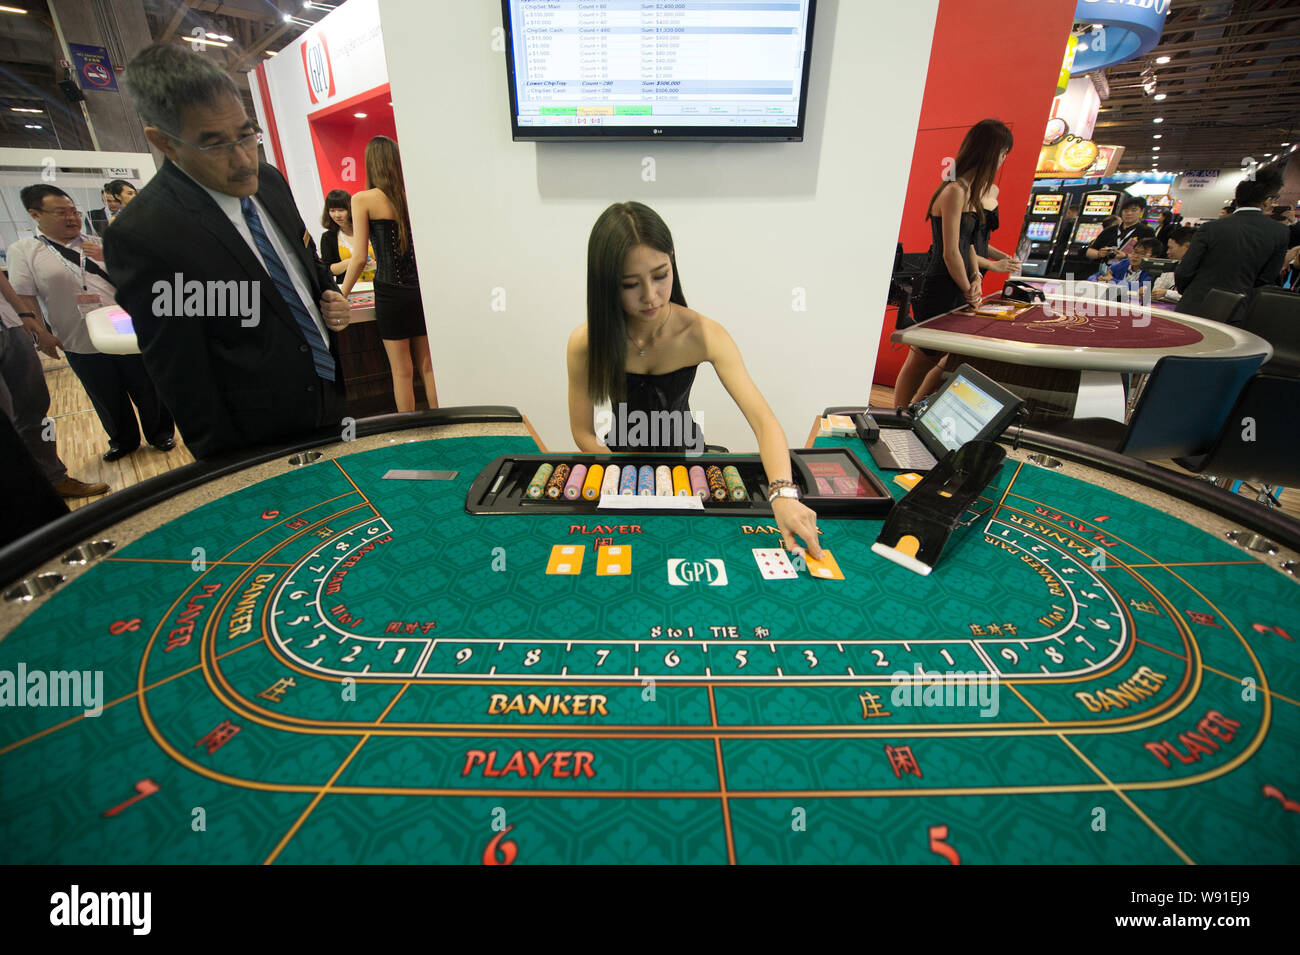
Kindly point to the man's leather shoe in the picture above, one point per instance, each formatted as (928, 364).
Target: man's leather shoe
(112, 454)
(71, 487)
(166, 445)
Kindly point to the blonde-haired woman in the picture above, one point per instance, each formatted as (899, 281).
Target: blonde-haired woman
(381, 212)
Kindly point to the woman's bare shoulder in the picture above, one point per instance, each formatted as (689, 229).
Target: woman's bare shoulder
(577, 345)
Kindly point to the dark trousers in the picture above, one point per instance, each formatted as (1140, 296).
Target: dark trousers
(29, 499)
(113, 382)
(25, 400)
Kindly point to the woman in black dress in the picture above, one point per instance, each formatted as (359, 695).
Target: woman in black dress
(338, 240)
(952, 277)
(381, 213)
(639, 350)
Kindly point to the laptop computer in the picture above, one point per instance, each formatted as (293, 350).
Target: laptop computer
(970, 406)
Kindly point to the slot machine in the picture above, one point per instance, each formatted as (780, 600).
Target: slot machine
(1046, 215)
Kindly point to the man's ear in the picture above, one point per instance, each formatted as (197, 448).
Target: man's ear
(161, 141)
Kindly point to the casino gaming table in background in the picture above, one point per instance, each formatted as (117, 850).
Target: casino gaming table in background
(362, 671)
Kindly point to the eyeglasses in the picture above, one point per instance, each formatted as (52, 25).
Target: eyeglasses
(66, 213)
(253, 139)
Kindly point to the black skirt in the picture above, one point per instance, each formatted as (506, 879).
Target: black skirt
(399, 313)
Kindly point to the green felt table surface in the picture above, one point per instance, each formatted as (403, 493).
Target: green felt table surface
(332, 667)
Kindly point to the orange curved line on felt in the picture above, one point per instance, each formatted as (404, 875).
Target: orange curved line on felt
(290, 723)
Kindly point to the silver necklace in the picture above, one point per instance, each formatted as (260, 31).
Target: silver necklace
(641, 348)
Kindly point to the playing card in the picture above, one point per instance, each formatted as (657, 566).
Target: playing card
(566, 559)
(614, 559)
(826, 568)
(773, 564)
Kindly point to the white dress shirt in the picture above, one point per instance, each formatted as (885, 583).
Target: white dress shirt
(230, 205)
(36, 269)
(1165, 283)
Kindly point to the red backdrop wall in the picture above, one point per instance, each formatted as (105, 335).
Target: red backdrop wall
(987, 59)
(338, 135)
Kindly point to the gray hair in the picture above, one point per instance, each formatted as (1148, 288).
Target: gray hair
(165, 79)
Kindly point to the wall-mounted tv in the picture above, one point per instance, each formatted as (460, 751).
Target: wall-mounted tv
(680, 70)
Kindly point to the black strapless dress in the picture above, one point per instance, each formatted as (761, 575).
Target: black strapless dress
(939, 293)
(983, 233)
(399, 311)
(656, 416)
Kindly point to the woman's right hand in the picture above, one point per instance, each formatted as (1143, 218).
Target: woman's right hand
(973, 294)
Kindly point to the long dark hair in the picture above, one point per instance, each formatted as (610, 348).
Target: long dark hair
(619, 229)
(384, 172)
(335, 199)
(977, 161)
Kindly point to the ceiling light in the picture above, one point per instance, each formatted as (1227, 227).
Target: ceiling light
(1286, 144)
(1162, 59)
(1158, 136)
(1160, 96)
(359, 115)
(1155, 149)
(11, 10)
(204, 40)
(33, 126)
(1158, 119)
(28, 109)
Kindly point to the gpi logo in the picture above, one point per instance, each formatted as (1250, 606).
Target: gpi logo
(682, 573)
(316, 64)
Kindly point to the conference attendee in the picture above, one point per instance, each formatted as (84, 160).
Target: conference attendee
(97, 220)
(1289, 274)
(1162, 290)
(952, 276)
(1165, 227)
(337, 242)
(260, 365)
(1113, 239)
(25, 399)
(1238, 252)
(639, 350)
(1228, 209)
(1128, 270)
(63, 270)
(380, 212)
(122, 191)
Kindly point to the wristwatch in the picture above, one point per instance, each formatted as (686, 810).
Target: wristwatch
(784, 492)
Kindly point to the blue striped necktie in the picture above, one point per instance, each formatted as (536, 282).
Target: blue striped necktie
(320, 352)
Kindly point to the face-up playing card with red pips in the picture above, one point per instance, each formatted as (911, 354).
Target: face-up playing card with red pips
(773, 564)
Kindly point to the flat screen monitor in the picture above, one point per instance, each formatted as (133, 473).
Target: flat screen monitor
(970, 406)
(632, 70)
(1048, 203)
(1087, 232)
(1041, 231)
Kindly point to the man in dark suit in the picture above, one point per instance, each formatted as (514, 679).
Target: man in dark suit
(1236, 252)
(232, 309)
(97, 220)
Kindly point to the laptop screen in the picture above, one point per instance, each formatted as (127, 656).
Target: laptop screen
(960, 412)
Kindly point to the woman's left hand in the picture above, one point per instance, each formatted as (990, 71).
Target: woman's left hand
(795, 518)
